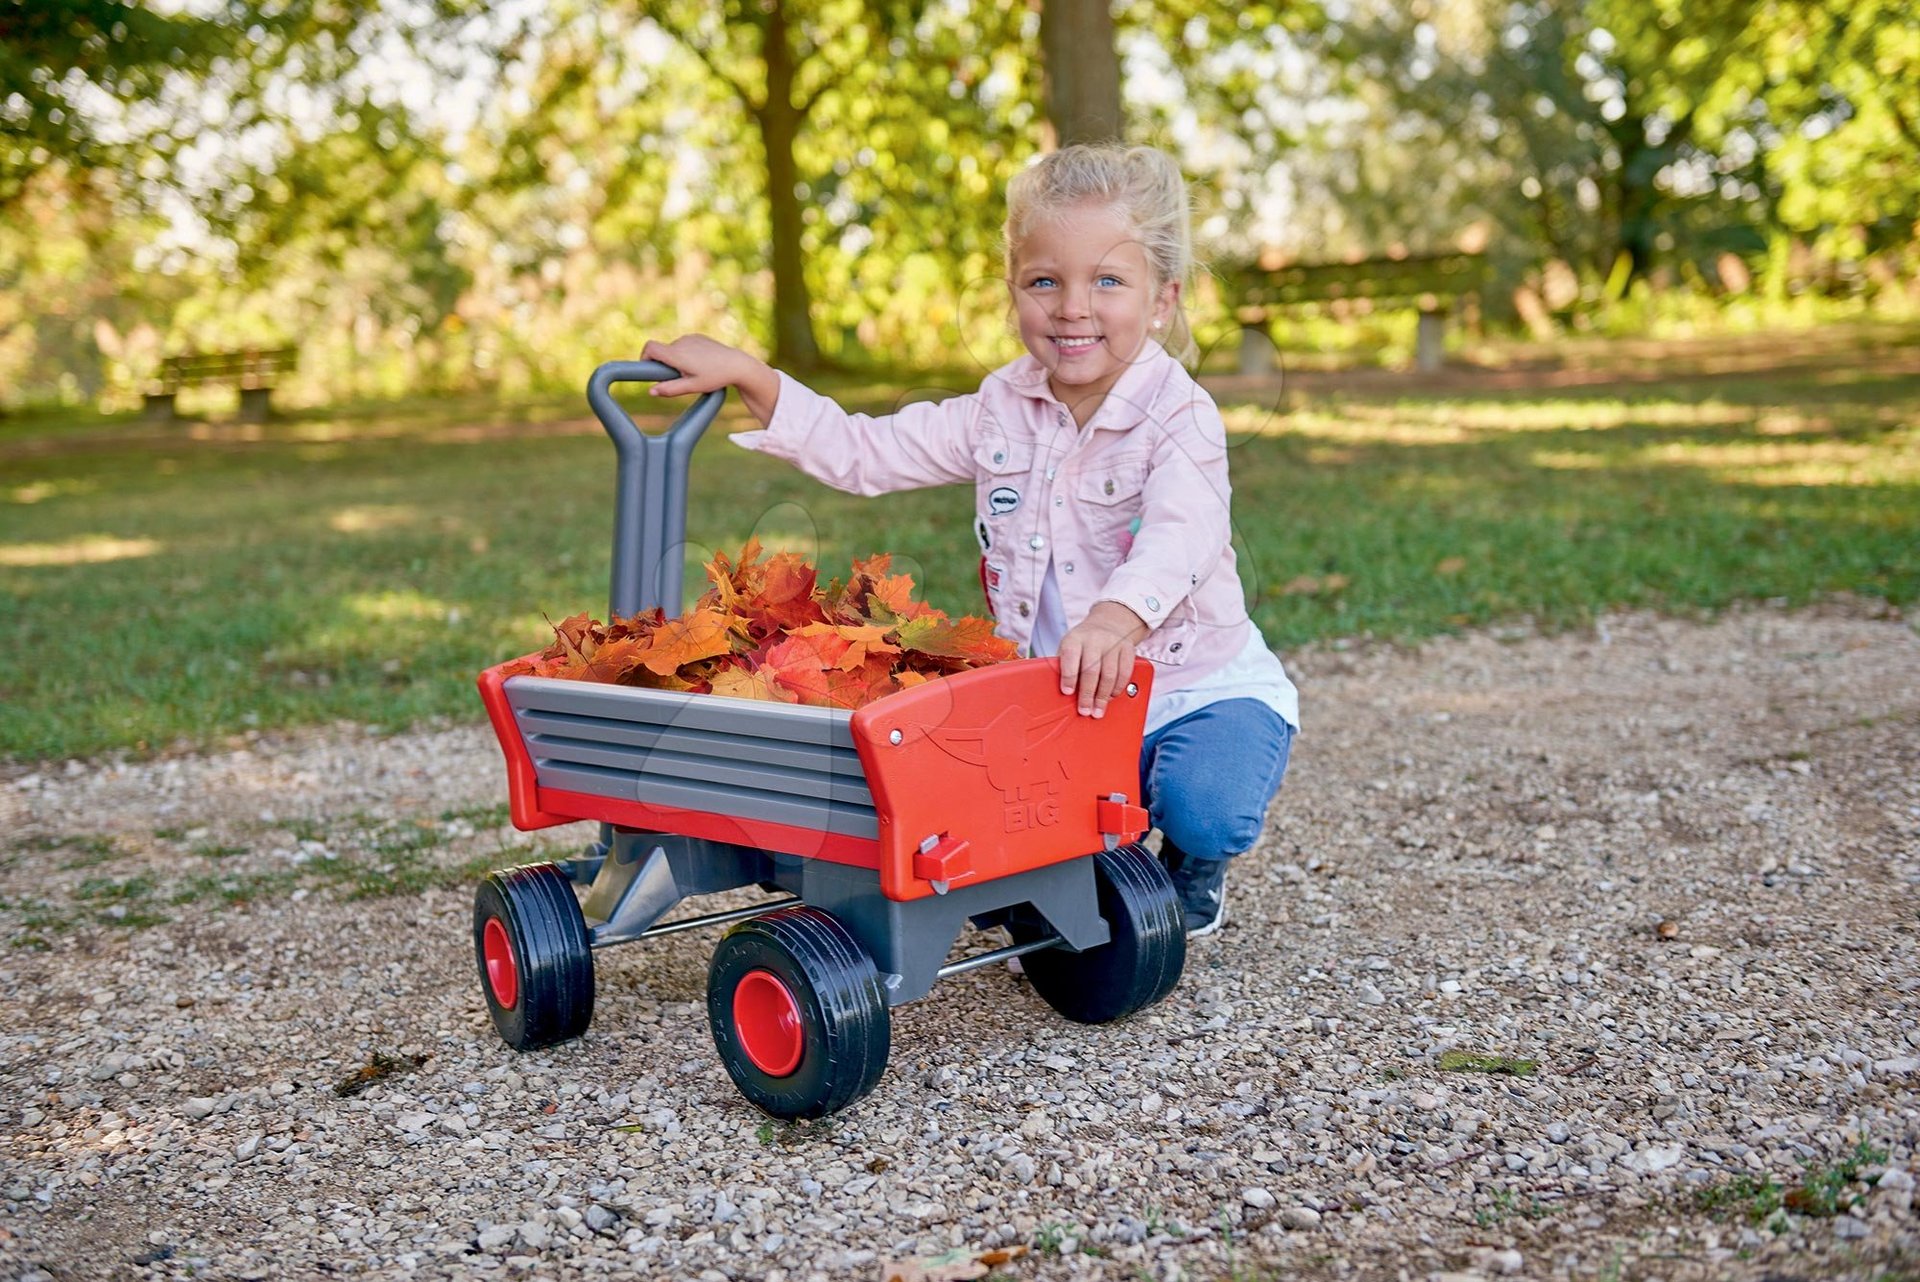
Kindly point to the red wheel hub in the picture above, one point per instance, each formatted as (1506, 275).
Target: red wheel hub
(767, 1020)
(497, 953)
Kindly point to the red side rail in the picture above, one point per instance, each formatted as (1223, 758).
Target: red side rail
(523, 792)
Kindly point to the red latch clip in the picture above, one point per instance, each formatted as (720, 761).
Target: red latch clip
(942, 860)
(1117, 818)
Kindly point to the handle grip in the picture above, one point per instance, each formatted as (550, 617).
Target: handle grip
(650, 488)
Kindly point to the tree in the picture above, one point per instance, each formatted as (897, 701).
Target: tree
(63, 61)
(1603, 116)
(1082, 71)
(1831, 90)
(862, 118)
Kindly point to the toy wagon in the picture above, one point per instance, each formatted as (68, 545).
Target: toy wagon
(979, 798)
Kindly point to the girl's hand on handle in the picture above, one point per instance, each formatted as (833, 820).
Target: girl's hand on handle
(707, 365)
(1096, 657)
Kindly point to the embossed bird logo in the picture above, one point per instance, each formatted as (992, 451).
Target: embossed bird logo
(1008, 748)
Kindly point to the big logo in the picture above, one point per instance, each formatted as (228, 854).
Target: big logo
(1009, 749)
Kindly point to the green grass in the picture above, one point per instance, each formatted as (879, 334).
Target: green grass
(1472, 1062)
(165, 589)
(1825, 1189)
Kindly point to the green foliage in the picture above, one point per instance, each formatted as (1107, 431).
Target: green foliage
(56, 56)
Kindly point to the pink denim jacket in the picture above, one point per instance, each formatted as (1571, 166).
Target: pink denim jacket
(1132, 508)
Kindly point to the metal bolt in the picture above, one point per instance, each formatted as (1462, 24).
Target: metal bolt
(1132, 690)
(894, 736)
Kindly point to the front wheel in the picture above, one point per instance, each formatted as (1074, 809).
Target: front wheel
(536, 965)
(797, 1013)
(1138, 965)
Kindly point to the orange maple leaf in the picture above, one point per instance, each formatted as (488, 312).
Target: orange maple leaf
(969, 639)
(699, 634)
(862, 640)
(754, 683)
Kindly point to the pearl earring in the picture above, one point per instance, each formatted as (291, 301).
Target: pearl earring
(1156, 324)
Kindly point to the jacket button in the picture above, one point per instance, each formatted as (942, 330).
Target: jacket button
(1058, 501)
(1023, 610)
(999, 456)
(1051, 470)
(1174, 647)
(1153, 603)
(1036, 542)
(1062, 417)
(1109, 485)
(1068, 567)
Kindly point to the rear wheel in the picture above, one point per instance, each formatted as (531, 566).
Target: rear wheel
(797, 1013)
(1138, 965)
(536, 964)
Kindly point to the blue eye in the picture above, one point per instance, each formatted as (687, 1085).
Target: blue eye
(1040, 282)
(1109, 280)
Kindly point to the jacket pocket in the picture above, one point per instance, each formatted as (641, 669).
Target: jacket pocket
(1002, 467)
(1171, 644)
(1109, 482)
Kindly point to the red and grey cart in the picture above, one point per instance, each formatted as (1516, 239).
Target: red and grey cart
(981, 798)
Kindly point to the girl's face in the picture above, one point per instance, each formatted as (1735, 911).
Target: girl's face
(1085, 298)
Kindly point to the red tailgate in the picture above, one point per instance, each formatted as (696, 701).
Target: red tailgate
(993, 772)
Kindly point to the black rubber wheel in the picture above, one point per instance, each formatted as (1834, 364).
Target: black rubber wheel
(536, 966)
(797, 1013)
(1142, 961)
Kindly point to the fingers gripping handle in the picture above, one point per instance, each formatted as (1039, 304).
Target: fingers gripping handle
(650, 497)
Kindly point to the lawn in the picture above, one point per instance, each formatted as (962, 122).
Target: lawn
(187, 583)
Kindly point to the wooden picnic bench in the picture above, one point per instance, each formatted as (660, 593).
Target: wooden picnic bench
(253, 371)
(1433, 283)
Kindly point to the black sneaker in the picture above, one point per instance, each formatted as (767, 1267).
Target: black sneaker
(1202, 887)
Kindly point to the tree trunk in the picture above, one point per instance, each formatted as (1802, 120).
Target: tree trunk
(794, 347)
(1082, 71)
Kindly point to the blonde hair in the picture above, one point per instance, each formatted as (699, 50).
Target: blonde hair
(1144, 183)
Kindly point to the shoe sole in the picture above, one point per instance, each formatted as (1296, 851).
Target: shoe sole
(1219, 920)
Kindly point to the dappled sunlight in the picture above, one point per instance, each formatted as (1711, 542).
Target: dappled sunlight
(372, 519)
(88, 549)
(396, 607)
(1787, 462)
(1454, 423)
(389, 623)
(1793, 423)
(1552, 416)
(1836, 461)
(41, 491)
(1568, 461)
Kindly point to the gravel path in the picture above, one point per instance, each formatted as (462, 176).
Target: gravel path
(1678, 865)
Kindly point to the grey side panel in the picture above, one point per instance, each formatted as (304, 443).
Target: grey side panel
(747, 770)
(772, 762)
(716, 799)
(743, 717)
(779, 752)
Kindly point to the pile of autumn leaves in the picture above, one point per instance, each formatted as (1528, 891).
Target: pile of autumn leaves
(769, 630)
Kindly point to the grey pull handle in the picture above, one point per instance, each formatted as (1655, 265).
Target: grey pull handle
(650, 495)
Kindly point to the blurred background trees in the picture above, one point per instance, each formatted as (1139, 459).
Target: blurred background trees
(441, 195)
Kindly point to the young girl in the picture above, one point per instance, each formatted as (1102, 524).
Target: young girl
(1102, 499)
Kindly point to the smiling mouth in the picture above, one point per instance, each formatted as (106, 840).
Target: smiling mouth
(1078, 344)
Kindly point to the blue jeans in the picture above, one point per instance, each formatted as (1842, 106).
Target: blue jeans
(1209, 776)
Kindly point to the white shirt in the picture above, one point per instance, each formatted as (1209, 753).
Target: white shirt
(1254, 673)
